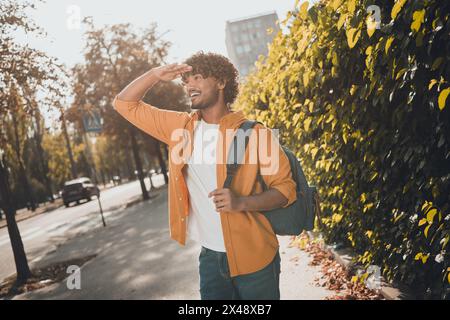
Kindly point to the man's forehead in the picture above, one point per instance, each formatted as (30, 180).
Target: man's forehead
(185, 76)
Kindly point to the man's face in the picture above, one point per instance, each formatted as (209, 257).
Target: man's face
(203, 92)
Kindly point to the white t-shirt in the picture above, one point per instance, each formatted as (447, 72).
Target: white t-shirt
(204, 225)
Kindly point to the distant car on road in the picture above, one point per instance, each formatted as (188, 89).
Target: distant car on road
(79, 189)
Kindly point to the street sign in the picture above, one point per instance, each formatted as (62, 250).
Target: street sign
(92, 122)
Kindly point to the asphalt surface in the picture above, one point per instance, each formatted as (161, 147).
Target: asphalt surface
(43, 233)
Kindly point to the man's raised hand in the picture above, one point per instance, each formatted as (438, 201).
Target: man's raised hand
(171, 71)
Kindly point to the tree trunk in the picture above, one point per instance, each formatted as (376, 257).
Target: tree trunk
(131, 175)
(155, 150)
(42, 159)
(73, 168)
(22, 171)
(20, 258)
(138, 163)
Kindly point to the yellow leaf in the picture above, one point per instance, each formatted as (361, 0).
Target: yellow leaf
(422, 221)
(431, 214)
(369, 234)
(304, 10)
(418, 18)
(351, 6)
(432, 83)
(314, 152)
(425, 258)
(448, 277)
(330, 118)
(344, 137)
(418, 256)
(341, 21)
(353, 35)
(363, 197)
(397, 7)
(333, 124)
(425, 232)
(307, 123)
(400, 73)
(371, 26)
(336, 217)
(306, 79)
(446, 239)
(334, 59)
(443, 97)
(335, 4)
(388, 44)
(426, 205)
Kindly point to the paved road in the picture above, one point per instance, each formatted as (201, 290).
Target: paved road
(42, 233)
(136, 259)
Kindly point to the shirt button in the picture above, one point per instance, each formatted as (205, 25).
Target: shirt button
(182, 219)
(176, 178)
(180, 198)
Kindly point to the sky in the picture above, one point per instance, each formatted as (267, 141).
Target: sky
(190, 25)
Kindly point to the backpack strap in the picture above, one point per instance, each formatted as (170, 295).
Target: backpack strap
(237, 150)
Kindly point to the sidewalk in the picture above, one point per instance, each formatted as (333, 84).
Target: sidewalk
(136, 259)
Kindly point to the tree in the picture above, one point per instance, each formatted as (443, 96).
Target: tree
(114, 56)
(22, 268)
(23, 71)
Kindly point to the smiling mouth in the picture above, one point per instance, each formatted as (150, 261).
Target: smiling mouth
(194, 95)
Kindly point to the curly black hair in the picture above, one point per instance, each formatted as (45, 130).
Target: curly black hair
(215, 65)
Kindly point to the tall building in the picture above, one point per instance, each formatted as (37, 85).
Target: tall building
(247, 38)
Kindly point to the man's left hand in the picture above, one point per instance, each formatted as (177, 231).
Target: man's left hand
(226, 200)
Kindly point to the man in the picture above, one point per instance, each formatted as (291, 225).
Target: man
(239, 257)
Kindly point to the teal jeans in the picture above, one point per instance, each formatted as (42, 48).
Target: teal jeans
(216, 283)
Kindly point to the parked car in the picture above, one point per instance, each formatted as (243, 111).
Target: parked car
(79, 189)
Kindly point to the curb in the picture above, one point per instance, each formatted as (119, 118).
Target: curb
(345, 258)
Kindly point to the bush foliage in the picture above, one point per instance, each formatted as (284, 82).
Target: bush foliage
(366, 111)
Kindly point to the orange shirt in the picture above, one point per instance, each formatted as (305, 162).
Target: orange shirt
(249, 239)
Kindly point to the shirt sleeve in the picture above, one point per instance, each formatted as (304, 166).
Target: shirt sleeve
(274, 165)
(159, 123)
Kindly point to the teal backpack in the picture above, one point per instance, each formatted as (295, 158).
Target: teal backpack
(298, 216)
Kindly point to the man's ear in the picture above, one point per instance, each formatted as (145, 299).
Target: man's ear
(221, 84)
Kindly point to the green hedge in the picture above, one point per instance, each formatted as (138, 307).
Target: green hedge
(367, 112)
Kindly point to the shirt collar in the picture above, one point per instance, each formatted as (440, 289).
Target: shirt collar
(230, 120)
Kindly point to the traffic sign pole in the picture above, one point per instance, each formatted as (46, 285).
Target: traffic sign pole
(101, 210)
